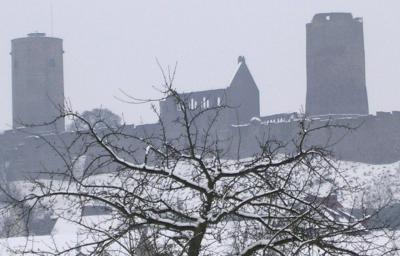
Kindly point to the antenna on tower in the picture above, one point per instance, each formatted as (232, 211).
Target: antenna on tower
(51, 18)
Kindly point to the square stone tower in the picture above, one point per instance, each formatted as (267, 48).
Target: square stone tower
(336, 65)
(37, 81)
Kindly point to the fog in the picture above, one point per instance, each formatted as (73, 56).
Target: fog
(113, 45)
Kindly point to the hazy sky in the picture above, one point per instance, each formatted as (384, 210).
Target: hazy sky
(112, 45)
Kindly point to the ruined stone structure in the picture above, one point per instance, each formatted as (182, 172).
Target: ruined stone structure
(336, 65)
(336, 93)
(241, 97)
(37, 81)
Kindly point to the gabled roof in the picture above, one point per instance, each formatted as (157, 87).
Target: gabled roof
(242, 75)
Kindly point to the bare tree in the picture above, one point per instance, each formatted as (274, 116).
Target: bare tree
(174, 191)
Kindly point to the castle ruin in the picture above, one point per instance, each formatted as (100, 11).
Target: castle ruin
(336, 92)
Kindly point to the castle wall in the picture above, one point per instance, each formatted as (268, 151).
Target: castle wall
(368, 139)
(29, 156)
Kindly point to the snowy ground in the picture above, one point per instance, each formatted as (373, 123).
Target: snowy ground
(378, 183)
(375, 184)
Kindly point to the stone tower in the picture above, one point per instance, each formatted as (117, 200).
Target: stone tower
(37, 81)
(336, 65)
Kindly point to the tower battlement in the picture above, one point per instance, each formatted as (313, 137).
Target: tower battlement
(332, 17)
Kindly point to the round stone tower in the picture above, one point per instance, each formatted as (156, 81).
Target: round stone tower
(37, 82)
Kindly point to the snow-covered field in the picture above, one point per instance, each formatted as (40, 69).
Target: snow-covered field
(376, 184)
(372, 184)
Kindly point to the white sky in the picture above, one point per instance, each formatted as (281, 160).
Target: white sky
(112, 45)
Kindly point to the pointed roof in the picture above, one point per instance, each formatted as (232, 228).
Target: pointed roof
(242, 76)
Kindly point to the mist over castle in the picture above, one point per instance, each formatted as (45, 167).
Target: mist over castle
(336, 90)
(226, 166)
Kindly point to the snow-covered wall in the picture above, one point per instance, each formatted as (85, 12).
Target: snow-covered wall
(374, 139)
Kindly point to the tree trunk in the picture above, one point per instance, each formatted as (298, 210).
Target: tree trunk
(195, 243)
